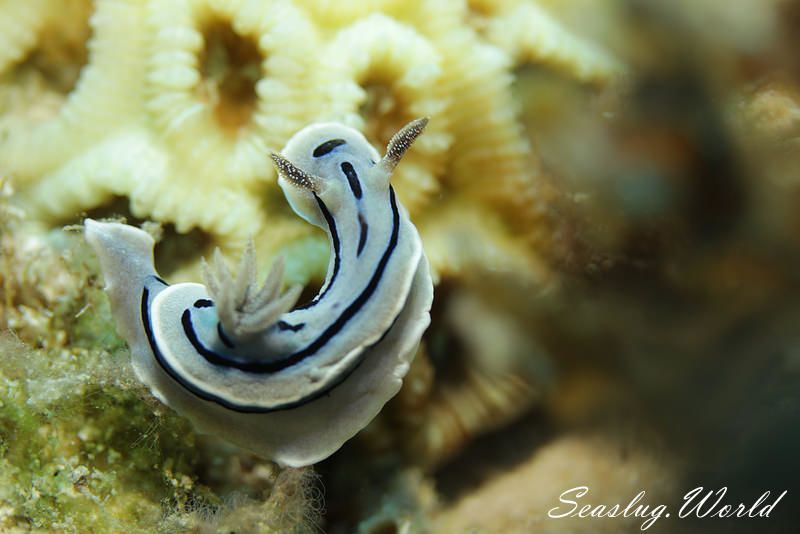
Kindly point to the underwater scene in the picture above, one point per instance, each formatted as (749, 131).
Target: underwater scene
(399, 266)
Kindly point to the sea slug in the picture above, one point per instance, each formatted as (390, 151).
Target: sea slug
(289, 384)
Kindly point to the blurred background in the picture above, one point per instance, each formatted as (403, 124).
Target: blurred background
(607, 192)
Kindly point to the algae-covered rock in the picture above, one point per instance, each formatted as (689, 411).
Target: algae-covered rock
(83, 445)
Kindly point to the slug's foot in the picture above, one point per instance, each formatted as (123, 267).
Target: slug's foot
(242, 308)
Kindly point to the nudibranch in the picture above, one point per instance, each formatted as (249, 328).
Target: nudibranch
(289, 384)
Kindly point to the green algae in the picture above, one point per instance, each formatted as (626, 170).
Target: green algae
(82, 450)
(84, 447)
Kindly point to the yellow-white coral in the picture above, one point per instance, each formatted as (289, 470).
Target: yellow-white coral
(40, 129)
(180, 103)
(531, 35)
(20, 22)
(229, 81)
(397, 75)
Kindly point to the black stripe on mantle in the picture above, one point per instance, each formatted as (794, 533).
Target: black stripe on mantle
(224, 360)
(336, 254)
(210, 397)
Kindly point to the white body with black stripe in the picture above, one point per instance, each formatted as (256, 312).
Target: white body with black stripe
(298, 390)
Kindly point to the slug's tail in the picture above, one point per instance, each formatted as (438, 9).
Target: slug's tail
(126, 259)
(125, 252)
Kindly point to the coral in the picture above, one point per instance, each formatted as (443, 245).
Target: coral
(595, 461)
(405, 507)
(464, 382)
(397, 75)
(530, 35)
(227, 83)
(177, 109)
(21, 22)
(50, 99)
(478, 368)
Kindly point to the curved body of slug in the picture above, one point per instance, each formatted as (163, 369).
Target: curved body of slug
(299, 388)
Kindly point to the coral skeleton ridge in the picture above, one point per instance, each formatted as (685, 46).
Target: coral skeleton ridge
(175, 106)
(290, 385)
